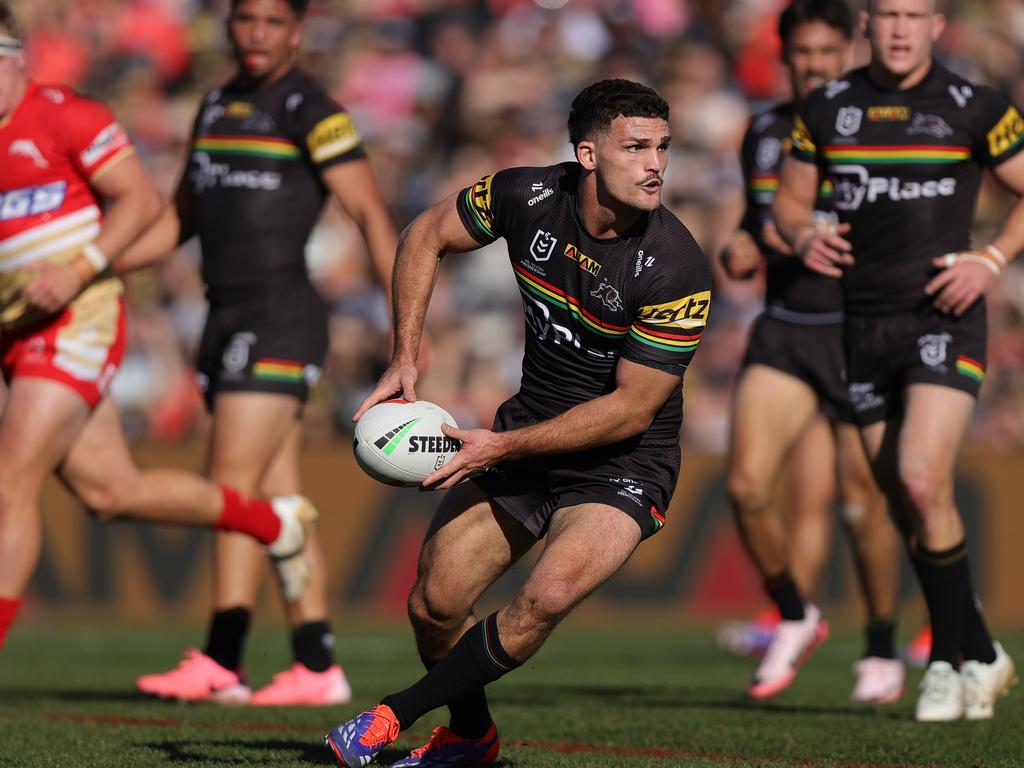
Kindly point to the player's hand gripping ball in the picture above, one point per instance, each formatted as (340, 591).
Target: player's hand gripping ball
(400, 443)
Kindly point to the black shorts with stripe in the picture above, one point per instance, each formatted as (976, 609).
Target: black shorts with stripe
(637, 479)
(264, 343)
(886, 354)
(812, 353)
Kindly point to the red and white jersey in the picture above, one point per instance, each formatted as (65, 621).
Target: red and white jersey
(52, 147)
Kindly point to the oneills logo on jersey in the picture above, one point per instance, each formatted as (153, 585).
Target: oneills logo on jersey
(689, 312)
(889, 114)
(586, 263)
(1007, 133)
(332, 136)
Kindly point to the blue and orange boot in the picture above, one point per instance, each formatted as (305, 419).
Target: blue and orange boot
(355, 743)
(451, 751)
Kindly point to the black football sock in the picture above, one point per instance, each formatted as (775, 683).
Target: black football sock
(976, 643)
(881, 634)
(226, 637)
(783, 592)
(476, 660)
(470, 715)
(945, 584)
(313, 645)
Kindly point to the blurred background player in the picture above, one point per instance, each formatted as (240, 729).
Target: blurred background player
(586, 455)
(904, 142)
(792, 401)
(266, 149)
(72, 195)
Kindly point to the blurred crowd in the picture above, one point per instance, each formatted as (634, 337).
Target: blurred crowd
(444, 91)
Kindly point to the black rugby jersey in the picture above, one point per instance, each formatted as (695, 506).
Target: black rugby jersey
(644, 296)
(905, 167)
(789, 284)
(254, 167)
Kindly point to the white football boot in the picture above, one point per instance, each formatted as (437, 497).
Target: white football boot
(942, 694)
(879, 681)
(984, 683)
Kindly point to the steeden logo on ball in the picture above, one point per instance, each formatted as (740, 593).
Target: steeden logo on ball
(400, 443)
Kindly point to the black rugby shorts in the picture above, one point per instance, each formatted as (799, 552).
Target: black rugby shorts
(887, 354)
(267, 343)
(812, 353)
(638, 481)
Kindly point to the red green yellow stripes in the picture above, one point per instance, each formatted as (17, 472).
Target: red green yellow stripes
(277, 370)
(764, 183)
(552, 295)
(662, 339)
(659, 519)
(893, 155)
(768, 184)
(248, 145)
(972, 369)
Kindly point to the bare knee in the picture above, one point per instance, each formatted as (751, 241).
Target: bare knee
(106, 499)
(431, 610)
(929, 492)
(543, 608)
(748, 491)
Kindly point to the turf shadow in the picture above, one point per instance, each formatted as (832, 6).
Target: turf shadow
(65, 695)
(203, 751)
(689, 698)
(199, 751)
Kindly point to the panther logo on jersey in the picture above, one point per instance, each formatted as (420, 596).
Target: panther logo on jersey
(608, 295)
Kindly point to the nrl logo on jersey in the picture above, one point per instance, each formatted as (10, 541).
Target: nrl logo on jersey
(585, 262)
(848, 120)
(543, 245)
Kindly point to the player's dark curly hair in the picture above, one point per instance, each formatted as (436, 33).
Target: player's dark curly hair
(298, 7)
(8, 22)
(597, 105)
(836, 13)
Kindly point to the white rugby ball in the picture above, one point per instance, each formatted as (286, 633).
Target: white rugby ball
(400, 443)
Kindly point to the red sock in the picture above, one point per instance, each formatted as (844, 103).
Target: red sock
(8, 610)
(252, 516)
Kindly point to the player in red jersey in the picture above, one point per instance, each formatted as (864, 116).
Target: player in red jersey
(66, 160)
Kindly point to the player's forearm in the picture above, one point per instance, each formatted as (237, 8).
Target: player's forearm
(1010, 239)
(601, 421)
(157, 242)
(126, 218)
(381, 242)
(794, 217)
(416, 265)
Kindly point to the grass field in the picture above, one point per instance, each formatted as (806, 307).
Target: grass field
(627, 697)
